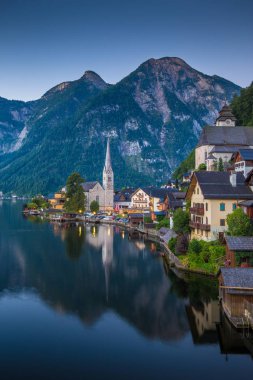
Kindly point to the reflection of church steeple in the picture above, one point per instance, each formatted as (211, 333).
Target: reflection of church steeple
(107, 256)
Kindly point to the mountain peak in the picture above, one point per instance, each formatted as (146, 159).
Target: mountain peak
(93, 77)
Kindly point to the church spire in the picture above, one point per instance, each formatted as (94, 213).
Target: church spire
(108, 164)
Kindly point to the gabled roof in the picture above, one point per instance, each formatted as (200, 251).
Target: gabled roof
(89, 185)
(216, 185)
(226, 113)
(246, 154)
(237, 277)
(237, 136)
(240, 243)
(156, 192)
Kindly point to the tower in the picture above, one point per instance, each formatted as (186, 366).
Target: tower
(226, 117)
(108, 180)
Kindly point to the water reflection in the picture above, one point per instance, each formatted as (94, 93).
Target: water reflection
(88, 270)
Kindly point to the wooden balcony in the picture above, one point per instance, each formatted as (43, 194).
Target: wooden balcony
(197, 210)
(200, 226)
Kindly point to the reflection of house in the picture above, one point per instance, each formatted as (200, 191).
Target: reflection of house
(231, 340)
(213, 196)
(222, 140)
(239, 251)
(236, 294)
(57, 202)
(202, 320)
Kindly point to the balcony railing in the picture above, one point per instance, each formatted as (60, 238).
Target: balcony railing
(197, 210)
(200, 226)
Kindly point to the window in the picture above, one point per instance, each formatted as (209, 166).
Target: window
(206, 220)
(197, 190)
(97, 199)
(206, 206)
(222, 207)
(222, 222)
(234, 206)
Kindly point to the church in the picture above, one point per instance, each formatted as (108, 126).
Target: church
(222, 140)
(102, 194)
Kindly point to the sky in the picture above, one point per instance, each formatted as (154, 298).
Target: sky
(46, 42)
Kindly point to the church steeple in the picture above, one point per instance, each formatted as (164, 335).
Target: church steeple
(108, 164)
(108, 178)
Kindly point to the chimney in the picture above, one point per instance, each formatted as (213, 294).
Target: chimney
(233, 179)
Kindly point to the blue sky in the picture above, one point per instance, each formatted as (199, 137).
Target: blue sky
(45, 42)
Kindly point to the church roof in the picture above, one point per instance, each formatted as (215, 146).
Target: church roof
(108, 164)
(237, 136)
(89, 185)
(226, 113)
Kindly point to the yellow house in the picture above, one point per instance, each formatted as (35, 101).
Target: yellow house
(214, 195)
(58, 201)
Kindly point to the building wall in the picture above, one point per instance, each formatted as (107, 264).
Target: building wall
(212, 215)
(95, 194)
(140, 199)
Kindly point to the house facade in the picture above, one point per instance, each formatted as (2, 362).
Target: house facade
(214, 195)
(222, 140)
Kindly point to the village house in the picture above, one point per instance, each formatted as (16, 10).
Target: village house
(58, 200)
(222, 140)
(214, 195)
(239, 251)
(154, 200)
(236, 295)
(122, 199)
(242, 161)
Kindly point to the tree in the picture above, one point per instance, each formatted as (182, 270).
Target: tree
(75, 197)
(239, 223)
(181, 221)
(201, 167)
(220, 165)
(94, 206)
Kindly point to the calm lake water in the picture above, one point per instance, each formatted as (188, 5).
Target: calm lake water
(90, 302)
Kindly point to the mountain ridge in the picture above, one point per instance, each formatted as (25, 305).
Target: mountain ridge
(154, 117)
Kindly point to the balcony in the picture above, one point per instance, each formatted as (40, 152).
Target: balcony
(197, 210)
(200, 226)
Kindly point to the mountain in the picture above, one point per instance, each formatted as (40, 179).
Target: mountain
(153, 116)
(243, 106)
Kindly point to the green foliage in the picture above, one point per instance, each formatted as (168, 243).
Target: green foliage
(242, 106)
(240, 255)
(206, 256)
(94, 206)
(239, 223)
(220, 165)
(185, 166)
(201, 167)
(148, 219)
(172, 244)
(165, 222)
(181, 221)
(32, 206)
(75, 196)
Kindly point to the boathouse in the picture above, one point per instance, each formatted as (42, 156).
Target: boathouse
(239, 251)
(236, 295)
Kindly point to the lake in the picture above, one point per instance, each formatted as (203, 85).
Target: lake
(92, 302)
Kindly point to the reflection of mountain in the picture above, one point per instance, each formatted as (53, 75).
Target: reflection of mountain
(109, 272)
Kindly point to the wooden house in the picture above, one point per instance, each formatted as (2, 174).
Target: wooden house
(135, 219)
(239, 251)
(243, 161)
(236, 295)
